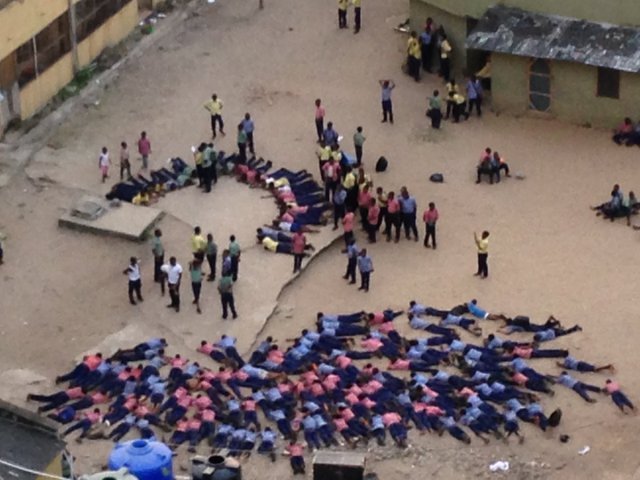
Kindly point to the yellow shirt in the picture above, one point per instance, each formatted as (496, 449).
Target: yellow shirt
(383, 200)
(337, 156)
(214, 106)
(357, 3)
(459, 99)
(198, 157)
(281, 182)
(451, 87)
(413, 48)
(343, 4)
(269, 244)
(198, 243)
(482, 244)
(140, 199)
(445, 49)
(349, 180)
(324, 153)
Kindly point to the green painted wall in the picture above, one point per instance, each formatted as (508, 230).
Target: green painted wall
(573, 91)
(616, 11)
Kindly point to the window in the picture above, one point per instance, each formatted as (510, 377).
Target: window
(40, 52)
(540, 85)
(608, 83)
(91, 14)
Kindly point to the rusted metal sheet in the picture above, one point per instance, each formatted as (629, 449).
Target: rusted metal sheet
(519, 32)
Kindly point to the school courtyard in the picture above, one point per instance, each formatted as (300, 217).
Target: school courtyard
(63, 292)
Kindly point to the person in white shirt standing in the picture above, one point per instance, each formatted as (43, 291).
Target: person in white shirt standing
(103, 163)
(135, 282)
(173, 272)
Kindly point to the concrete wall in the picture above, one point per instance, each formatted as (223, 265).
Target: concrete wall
(573, 92)
(624, 12)
(37, 93)
(110, 33)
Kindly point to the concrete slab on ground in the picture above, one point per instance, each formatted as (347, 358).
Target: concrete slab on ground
(125, 221)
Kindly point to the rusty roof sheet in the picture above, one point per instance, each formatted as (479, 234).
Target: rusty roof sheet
(519, 32)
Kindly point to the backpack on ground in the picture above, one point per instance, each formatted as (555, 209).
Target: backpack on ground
(381, 164)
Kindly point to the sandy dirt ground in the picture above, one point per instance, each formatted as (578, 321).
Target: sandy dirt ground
(63, 292)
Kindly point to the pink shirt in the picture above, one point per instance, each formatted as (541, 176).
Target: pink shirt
(378, 318)
(295, 450)
(284, 388)
(144, 146)
(367, 402)
(93, 417)
(427, 391)
(351, 398)
(182, 425)
(316, 389)
(207, 374)
(331, 170)
(240, 375)
(178, 362)
(331, 382)
(202, 402)
(433, 410)
(355, 389)
(207, 348)
(309, 377)
(320, 112)
(275, 356)
(204, 385)
(347, 222)
(299, 241)
(371, 344)
(386, 327)
(430, 216)
(523, 352)
(287, 217)
(249, 405)
(363, 199)
(208, 415)
(141, 411)
(99, 397)
(92, 361)
(390, 418)
(130, 403)
(399, 364)
(372, 215)
(519, 378)
(612, 387)
(393, 206)
(340, 424)
(181, 392)
(343, 362)
(347, 414)
(194, 424)
(224, 375)
(371, 387)
(185, 401)
(75, 393)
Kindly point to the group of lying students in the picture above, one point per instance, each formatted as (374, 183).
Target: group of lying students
(329, 386)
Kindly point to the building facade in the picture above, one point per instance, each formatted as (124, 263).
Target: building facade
(43, 43)
(542, 61)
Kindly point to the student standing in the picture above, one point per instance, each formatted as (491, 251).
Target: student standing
(214, 107)
(430, 217)
(358, 142)
(365, 265)
(408, 208)
(482, 244)
(242, 144)
(135, 283)
(347, 226)
(103, 163)
(373, 216)
(474, 95)
(195, 270)
(225, 287)
(339, 199)
(426, 38)
(173, 272)
(234, 254)
(198, 243)
(393, 217)
(357, 11)
(435, 109)
(320, 113)
(144, 149)
(299, 242)
(445, 56)
(387, 107)
(452, 88)
(342, 13)
(352, 261)
(413, 56)
(207, 167)
(211, 251)
(125, 163)
(158, 258)
(383, 201)
(249, 128)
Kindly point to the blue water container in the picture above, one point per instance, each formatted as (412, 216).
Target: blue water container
(145, 459)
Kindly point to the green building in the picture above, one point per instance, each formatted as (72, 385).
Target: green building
(577, 60)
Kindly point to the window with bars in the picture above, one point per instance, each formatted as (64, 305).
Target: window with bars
(540, 85)
(91, 14)
(39, 53)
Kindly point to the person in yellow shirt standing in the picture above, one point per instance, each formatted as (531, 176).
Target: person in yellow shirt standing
(413, 56)
(357, 4)
(198, 243)
(445, 57)
(482, 244)
(214, 107)
(342, 13)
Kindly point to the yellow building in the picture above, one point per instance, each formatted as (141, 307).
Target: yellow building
(44, 42)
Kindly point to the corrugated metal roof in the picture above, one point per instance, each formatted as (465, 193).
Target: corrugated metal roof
(519, 32)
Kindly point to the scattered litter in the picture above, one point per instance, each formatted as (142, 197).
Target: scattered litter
(211, 1)
(161, 15)
(586, 449)
(340, 137)
(564, 438)
(499, 466)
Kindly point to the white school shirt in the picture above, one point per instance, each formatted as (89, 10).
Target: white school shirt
(173, 272)
(134, 272)
(104, 160)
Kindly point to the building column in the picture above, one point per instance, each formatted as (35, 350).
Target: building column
(73, 37)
